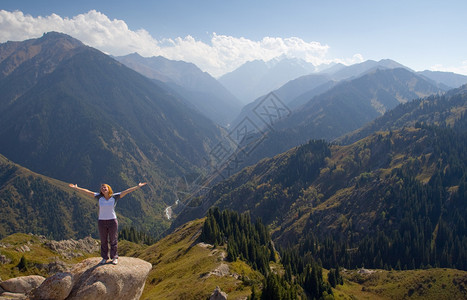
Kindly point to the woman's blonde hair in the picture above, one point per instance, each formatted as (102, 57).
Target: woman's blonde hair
(108, 188)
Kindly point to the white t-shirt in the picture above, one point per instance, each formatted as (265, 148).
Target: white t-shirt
(107, 206)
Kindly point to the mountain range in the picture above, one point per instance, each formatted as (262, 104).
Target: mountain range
(298, 91)
(77, 115)
(344, 107)
(406, 182)
(366, 166)
(73, 113)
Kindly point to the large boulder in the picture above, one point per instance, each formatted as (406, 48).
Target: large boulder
(56, 287)
(90, 280)
(23, 284)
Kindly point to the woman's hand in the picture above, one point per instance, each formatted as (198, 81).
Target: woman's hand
(85, 191)
(127, 191)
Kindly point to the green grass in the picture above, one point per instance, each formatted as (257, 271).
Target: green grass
(182, 268)
(427, 284)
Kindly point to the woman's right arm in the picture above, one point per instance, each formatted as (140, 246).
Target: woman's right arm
(82, 190)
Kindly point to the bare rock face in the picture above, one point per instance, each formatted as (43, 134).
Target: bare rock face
(90, 280)
(73, 248)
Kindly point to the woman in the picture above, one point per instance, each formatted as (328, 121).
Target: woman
(108, 224)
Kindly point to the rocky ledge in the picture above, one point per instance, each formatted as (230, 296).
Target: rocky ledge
(86, 280)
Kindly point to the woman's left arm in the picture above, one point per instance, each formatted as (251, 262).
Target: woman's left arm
(127, 191)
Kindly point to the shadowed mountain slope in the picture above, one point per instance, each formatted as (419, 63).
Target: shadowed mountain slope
(346, 107)
(199, 88)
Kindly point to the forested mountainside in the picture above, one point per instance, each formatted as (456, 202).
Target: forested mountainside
(33, 203)
(406, 187)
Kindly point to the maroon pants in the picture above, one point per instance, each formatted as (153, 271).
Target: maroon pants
(108, 232)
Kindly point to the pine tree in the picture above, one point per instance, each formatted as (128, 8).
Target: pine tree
(253, 295)
(23, 264)
(332, 278)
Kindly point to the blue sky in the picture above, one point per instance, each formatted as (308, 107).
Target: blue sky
(219, 36)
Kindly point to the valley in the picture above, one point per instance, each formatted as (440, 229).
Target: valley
(356, 190)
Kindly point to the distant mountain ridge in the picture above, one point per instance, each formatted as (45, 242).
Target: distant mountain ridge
(343, 108)
(198, 88)
(256, 78)
(449, 79)
(438, 110)
(296, 93)
(299, 91)
(293, 94)
(357, 70)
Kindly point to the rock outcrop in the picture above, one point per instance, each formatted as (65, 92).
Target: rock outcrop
(218, 294)
(90, 280)
(4, 260)
(73, 248)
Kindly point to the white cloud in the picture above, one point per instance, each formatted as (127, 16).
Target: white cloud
(223, 54)
(461, 69)
(226, 53)
(93, 28)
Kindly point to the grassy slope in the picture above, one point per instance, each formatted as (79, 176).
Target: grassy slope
(413, 284)
(182, 266)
